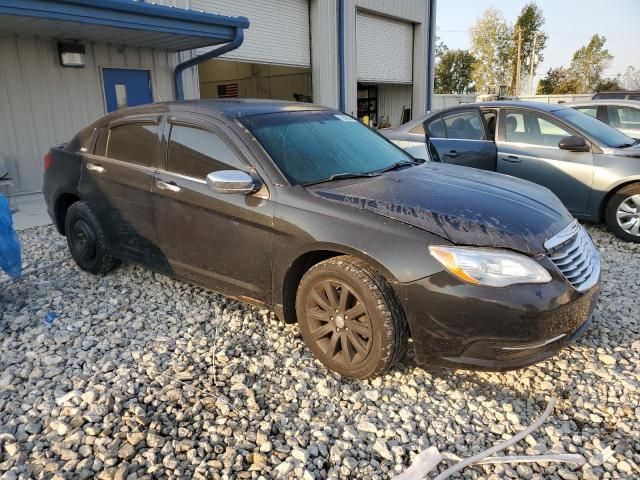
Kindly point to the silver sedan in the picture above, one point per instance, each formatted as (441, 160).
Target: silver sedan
(621, 114)
(593, 168)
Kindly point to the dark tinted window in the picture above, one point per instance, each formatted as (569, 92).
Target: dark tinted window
(101, 142)
(134, 143)
(312, 146)
(435, 128)
(464, 125)
(196, 153)
(614, 95)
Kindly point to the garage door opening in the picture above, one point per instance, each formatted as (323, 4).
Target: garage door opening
(233, 79)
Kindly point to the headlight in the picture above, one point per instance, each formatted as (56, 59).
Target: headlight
(494, 268)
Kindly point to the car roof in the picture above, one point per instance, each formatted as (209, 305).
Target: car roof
(545, 107)
(228, 108)
(605, 101)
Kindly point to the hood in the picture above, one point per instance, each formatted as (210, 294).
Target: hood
(633, 151)
(462, 204)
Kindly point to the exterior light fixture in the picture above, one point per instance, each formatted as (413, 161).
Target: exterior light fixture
(71, 54)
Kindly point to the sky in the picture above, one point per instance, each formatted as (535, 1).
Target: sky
(569, 25)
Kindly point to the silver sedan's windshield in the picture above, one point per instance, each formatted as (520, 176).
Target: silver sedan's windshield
(600, 131)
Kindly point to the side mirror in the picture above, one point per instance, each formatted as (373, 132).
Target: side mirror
(232, 181)
(574, 144)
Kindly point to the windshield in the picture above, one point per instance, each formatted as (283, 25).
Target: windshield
(595, 128)
(313, 146)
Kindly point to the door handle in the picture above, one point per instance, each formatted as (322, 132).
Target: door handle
(170, 186)
(92, 167)
(452, 154)
(511, 159)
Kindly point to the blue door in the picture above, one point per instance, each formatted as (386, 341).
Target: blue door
(126, 88)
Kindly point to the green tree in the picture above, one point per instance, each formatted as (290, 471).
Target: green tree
(588, 63)
(453, 72)
(608, 85)
(530, 23)
(557, 81)
(491, 46)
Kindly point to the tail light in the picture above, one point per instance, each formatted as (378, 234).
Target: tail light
(48, 159)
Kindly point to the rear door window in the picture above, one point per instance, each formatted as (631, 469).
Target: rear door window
(135, 143)
(101, 143)
(464, 125)
(623, 116)
(196, 152)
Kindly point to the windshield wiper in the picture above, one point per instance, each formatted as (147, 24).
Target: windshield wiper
(338, 176)
(396, 165)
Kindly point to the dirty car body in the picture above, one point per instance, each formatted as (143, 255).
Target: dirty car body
(257, 246)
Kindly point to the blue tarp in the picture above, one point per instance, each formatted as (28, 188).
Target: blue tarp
(9, 245)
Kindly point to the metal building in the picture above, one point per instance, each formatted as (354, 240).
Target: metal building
(64, 63)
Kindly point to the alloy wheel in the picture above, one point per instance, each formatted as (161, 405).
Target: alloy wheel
(338, 323)
(628, 215)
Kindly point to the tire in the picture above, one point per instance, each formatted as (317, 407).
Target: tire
(625, 203)
(86, 240)
(368, 343)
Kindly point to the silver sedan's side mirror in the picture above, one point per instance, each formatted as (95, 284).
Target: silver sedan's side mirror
(232, 181)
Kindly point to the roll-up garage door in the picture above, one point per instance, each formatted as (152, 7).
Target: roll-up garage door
(278, 34)
(384, 49)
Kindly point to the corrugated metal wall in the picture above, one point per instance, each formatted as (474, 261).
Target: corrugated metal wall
(324, 52)
(43, 104)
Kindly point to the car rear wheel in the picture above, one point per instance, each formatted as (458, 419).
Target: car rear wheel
(349, 318)
(86, 240)
(623, 213)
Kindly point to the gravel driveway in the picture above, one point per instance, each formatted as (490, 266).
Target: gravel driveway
(141, 376)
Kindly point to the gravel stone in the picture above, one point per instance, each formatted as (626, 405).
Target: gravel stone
(143, 376)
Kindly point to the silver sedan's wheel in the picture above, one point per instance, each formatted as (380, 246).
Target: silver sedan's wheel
(623, 213)
(628, 215)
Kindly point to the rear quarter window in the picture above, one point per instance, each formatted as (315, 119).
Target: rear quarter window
(135, 143)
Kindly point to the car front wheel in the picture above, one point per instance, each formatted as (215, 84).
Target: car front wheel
(349, 317)
(623, 213)
(86, 240)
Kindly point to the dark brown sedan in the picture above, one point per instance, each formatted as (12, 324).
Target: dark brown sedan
(307, 211)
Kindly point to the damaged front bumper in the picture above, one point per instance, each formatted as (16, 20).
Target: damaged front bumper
(458, 325)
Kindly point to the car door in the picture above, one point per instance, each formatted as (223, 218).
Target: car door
(528, 148)
(221, 239)
(459, 137)
(116, 181)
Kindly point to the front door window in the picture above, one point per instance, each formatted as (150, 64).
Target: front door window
(533, 129)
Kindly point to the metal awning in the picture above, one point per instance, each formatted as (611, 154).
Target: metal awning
(118, 22)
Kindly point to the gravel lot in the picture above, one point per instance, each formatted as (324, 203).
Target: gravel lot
(141, 376)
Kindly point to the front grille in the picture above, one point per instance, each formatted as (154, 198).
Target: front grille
(575, 255)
